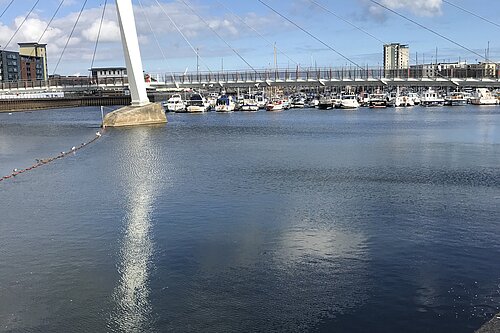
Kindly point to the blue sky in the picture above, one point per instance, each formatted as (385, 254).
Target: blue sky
(298, 47)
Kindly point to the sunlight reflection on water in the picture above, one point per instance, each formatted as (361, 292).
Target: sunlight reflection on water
(133, 308)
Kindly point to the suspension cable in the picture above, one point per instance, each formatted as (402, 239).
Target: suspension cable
(70, 35)
(311, 35)
(428, 29)
(157, 42)
(256, 31)
(48, 25)
(346, 21)
(184, 36)
(219, 36)
(6, 8)
(472, 13)
(354, 25)
(98, 36)
(20, 26)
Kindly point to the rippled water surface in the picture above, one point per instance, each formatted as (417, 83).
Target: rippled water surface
(320, 221)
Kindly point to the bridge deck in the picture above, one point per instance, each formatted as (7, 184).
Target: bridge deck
(265, 78)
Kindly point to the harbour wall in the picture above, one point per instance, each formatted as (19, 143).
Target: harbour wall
(19, 105)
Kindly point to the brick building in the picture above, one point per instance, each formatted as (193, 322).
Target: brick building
(31, 68)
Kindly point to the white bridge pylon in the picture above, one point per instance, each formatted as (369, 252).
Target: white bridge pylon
(132, 53)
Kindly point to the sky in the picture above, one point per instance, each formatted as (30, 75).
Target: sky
(250, 29)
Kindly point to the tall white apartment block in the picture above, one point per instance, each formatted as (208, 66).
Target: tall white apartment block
(396, 56)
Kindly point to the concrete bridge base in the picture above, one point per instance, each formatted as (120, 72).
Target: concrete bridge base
(148, 114)
(493, 326)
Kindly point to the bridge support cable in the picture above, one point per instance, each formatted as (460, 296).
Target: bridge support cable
(219, 36)
(348, 22)
(311, 35)
(184, 37)
(21, 25)
(354, 25)
(257, 32)
(48, 25)
(429, 29)
(158, 43)
(471, 13)
(70, 35)
(6, 8)
(98, 36)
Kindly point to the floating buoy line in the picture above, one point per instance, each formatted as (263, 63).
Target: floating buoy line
(45, 161)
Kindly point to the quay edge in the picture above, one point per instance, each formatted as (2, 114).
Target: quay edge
(149, 114)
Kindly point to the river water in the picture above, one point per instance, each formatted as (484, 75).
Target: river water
(303, 220)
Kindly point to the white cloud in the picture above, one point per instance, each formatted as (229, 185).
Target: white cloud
(32, 29)
(110, 32)
(416, 7)
(69, 3)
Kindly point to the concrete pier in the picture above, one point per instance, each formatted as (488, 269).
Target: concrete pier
(149, 114)
(493, 326)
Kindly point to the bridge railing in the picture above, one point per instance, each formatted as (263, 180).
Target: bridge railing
(276, 75)
(16, 85)
(272, 75)
(88, 81)
(299, 75)
(64, 81)
(327, 74)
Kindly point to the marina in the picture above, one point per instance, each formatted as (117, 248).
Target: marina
(326, 100)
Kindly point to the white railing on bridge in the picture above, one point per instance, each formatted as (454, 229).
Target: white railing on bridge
(269, 77)
(316, 74)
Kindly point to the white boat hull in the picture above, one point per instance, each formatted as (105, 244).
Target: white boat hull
(433, 103)
(196, 109)
(224, 108)
(432, 98)
(456, 102)
(403, 101)
(483, 96)
(274, 107)
(176, 107)
(251, 108)
(349, 104)
(484, 101)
